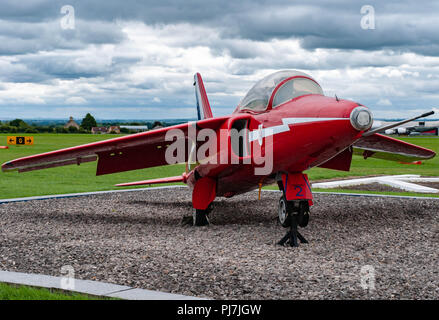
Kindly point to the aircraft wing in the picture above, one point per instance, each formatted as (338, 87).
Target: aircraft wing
(131, 152)
(383, 147)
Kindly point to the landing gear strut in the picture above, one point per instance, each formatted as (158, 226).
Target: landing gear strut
(294, 205)
(199, 217)
(293, 214)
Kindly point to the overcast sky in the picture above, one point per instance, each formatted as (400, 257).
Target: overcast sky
(136, 59)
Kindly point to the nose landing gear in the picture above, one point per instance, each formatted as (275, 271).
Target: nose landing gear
(293, 216)
(294, 206)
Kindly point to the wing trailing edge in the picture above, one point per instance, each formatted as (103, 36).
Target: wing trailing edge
(152, 181)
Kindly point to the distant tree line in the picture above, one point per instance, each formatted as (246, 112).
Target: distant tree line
(88, 122)
(20, 126)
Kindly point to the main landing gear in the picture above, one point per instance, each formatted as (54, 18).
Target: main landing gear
(293, 214)
(199, 217)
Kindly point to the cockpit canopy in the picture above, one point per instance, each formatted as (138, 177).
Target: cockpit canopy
(258, 98)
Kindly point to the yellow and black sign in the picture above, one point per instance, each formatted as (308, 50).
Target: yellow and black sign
(28, 141)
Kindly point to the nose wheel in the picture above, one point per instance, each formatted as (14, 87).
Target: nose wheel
(293, 214)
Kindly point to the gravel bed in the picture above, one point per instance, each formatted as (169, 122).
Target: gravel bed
(371, 187)
(136, 239)
(384, 188)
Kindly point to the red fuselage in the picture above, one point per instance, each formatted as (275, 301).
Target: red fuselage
(306, 132)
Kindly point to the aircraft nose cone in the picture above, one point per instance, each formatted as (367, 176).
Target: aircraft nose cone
(361, 118)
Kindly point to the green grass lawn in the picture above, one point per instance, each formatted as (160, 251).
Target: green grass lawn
(72, 179)
(67, 179)
(13, 292)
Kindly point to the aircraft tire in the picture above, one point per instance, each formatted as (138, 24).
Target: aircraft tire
(303, 214)
(304, 220)
(284, 212)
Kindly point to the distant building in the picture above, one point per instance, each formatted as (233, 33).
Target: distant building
(136, 128)
(71, 123)
(99, 130)
(104, 130)
(114, 129)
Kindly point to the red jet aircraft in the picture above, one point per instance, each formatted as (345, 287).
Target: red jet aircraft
(285, 119)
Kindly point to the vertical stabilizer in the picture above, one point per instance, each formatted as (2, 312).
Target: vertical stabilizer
(203, 106)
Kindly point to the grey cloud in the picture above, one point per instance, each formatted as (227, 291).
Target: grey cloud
(403, 26)
(63, 67)
(24, 37)
(244, 33)
(14, 72)
(124, 61)
(28, 11)
(145, 86)
(72, 66)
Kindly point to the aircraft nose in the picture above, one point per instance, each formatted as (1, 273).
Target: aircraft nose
(361, 118)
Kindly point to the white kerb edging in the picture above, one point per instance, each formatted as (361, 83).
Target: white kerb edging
(398, 181)
(94, 288)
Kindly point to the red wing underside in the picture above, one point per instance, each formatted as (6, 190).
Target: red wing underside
(131, 152)
(125, 159)
(383, 147)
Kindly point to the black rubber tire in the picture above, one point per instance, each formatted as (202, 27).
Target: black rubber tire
(284, 212)
(303, 214)
(200, 218)
(304, 221)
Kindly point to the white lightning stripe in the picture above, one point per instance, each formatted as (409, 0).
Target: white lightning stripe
(260, 133)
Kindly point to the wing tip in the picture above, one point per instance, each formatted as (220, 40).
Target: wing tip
(8, 166)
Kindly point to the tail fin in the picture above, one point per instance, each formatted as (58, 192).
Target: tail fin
(200, 94)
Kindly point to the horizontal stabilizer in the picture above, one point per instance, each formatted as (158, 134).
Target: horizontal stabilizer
(387, 148)
(152, 181)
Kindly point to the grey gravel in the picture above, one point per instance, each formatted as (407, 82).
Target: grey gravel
(136, 239)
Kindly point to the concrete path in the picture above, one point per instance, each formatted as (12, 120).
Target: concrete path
(95, 288)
